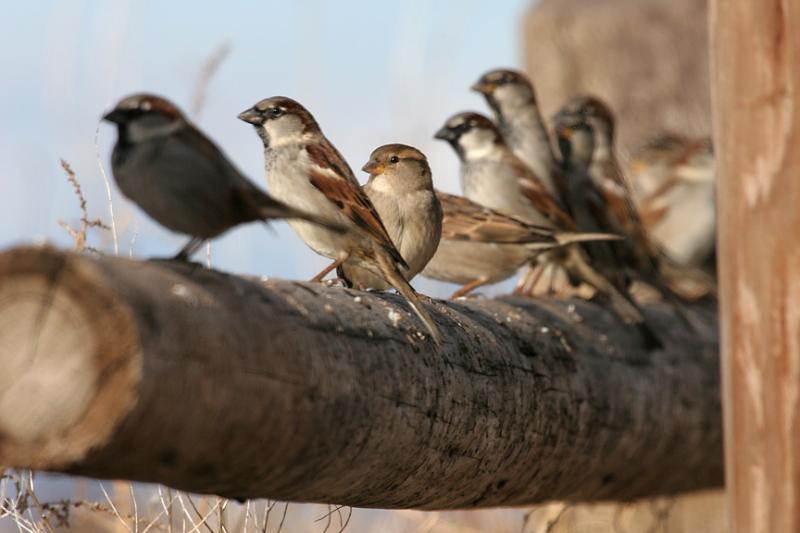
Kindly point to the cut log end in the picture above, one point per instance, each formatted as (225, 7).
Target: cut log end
(67, 368)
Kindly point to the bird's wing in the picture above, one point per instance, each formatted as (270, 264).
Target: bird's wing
(331, 174)
(540, 198)
(467, 220)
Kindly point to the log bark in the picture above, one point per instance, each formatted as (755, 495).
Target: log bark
(208, 382)
(755, 94)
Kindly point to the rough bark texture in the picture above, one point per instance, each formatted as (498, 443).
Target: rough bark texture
(212, 383)
(756, 87)
(647, 58)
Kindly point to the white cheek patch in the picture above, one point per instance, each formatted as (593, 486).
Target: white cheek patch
(287, 129)
(478, 142)
(455, 122)
(381, 184)
(512, 95)
(140, 132)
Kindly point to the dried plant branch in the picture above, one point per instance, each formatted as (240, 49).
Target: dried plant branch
(80, 235)
(207, 71)
(114, 508)
(107, 183)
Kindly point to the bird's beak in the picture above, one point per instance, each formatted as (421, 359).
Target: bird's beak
(445, 134)
(563, 123)
(373, 168)
(252, 116)
(483, 87)
(565, 132)
(115, 115)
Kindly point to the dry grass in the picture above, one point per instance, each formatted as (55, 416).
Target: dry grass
(80, 234)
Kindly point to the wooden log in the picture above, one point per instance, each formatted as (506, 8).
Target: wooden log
(172, 373)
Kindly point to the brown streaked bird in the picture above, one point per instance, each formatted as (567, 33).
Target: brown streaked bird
(607, 174)
(493, 176)
(618, 261)
(400, 187)
(643, 256)
(674, 183)
(481, 246)
(181, 179)
(512, 98)
(588, 204)
(306, 171)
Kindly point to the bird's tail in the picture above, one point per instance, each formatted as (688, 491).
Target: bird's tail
(704, 283)
(571, 238)
(281, 210)
(567, 238)
(393, 276)
(622, 304)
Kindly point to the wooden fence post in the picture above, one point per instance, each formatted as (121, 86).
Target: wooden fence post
(755, 78)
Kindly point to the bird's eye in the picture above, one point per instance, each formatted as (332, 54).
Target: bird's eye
(394, 159)
(275, 112)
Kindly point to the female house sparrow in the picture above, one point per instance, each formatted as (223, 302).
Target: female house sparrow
(307, 172)
(480, 246)
(511, 96)
(675, 187)
(181, 179)
(401, 189)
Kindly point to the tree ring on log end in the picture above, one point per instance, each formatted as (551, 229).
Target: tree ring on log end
(70, 346)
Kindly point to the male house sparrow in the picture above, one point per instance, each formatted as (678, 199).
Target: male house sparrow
(512, 98)
(401, 189)
(480, 246)
(307, 172)
(588, 205)
(617, 261)
(607, 175)
(493, 176)
(641, 254)
(181, 179)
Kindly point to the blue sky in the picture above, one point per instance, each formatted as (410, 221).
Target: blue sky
(371, 72)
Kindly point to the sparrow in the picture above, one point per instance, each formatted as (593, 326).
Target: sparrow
(645, 257)
(511, 96)
(180, 178)
(618, 261)
(606, 173)
(400, 186)
(493, 176)
(674, 185)
(481, 246)
(306, 171)
(576, 142)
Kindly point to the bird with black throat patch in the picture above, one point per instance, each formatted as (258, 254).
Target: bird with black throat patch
(491, 175)
(181, 179)
(306, 171)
